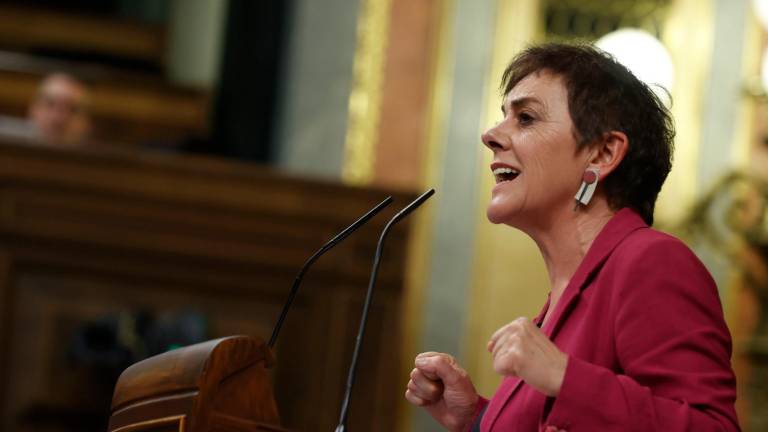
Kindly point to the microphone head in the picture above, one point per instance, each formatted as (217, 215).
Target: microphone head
(414, 204)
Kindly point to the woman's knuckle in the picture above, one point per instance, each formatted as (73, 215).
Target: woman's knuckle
(462, 373)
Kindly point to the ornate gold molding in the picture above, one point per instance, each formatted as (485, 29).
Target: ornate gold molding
(366, 95)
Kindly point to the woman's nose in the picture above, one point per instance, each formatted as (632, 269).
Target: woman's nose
(493, 139)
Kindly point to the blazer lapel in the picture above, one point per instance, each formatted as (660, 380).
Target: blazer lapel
(624, 222)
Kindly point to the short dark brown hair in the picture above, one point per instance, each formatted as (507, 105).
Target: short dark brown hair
(605, 96)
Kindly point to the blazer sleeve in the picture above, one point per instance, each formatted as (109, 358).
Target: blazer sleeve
(482, 405)
(673, 350)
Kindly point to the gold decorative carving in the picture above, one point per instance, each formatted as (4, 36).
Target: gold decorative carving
(365, 97)
(590, 19)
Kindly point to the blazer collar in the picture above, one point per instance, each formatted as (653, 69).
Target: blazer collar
(624, 222)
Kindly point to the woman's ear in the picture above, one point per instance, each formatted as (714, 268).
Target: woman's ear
(608, 152)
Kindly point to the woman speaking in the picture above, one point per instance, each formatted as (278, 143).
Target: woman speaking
(632, 336)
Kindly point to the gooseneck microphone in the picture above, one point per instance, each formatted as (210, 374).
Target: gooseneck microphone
(326, 247)
(342, 427)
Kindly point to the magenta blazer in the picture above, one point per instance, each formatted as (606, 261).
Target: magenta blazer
(648, 347)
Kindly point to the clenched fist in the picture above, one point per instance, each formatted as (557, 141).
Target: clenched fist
(444, 389)
(522, 350)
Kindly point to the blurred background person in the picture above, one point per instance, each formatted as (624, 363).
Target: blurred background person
(59, 113)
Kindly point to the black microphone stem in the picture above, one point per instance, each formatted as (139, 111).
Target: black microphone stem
(331, 243)
(342, 427)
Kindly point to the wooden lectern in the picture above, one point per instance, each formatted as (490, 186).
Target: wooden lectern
(220, 385)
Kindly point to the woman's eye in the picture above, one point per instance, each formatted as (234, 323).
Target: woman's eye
(525, 118)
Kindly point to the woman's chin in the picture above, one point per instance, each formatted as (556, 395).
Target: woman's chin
(497, 214)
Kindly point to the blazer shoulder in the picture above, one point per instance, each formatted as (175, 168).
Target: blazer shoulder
(648, 243)
(660, 259)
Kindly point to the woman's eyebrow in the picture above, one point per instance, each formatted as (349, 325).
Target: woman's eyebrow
(521, 102)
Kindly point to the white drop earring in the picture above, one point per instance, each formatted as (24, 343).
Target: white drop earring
(588, 185)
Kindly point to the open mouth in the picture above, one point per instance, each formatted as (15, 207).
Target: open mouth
(505, 174)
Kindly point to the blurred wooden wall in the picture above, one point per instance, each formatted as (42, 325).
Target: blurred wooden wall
(89, 234)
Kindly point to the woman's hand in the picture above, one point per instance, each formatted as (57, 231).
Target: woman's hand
(444, 389)
(522, 350)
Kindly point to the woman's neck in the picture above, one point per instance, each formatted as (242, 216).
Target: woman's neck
(565, 239)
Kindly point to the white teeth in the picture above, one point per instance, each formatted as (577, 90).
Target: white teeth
(499, 171)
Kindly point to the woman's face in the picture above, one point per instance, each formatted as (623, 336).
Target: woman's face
(537, 168)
